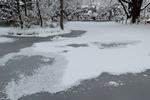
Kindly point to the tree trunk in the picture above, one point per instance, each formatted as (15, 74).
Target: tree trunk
(25, 7)
(61, 15)
(134, 9)
(20, 18)
(39, 13)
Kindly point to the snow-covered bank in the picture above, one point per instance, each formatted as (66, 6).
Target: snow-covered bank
(37, 31)
(4, 39)
(3, 31)
(105, 47)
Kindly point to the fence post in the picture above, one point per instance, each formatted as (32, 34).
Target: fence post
(147, 17)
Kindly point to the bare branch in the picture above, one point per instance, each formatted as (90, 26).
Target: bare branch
(124, 8)
(126, 1)
(145, 6)
(106, 10)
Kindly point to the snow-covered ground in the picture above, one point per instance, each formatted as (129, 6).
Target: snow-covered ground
(105, 47)
(4, 39)
(36, 31)
(3, 30)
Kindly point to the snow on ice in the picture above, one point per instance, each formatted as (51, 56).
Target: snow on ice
(90, 61)
(47, 78)
(112, 83)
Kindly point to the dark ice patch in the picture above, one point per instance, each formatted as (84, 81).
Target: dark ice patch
(110, 45)
(77, 45)
(73, 34)
(65, 51)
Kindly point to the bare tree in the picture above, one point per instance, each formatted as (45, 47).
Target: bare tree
(134, 8)
(20, 18)
(39, 13)
(61, 15)
(25, 4)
